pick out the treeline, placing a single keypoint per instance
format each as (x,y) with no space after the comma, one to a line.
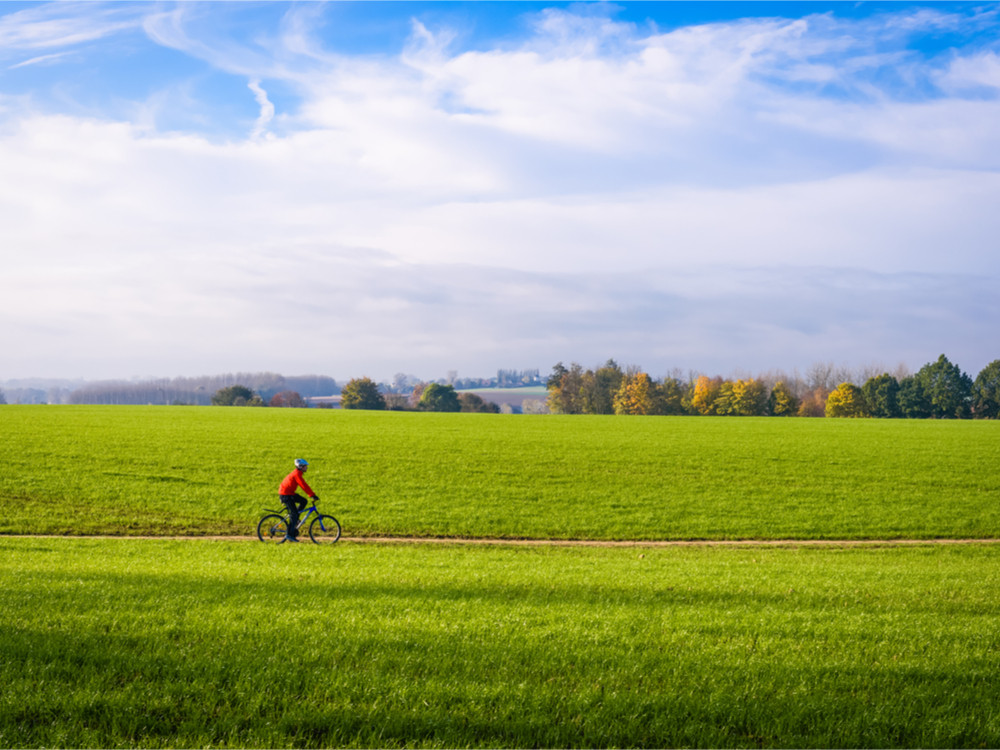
(938,390)
(21,394)
(201,390)
(33,396)
(404,384)
(364,393)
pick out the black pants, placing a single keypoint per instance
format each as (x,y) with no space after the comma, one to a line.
(294,503)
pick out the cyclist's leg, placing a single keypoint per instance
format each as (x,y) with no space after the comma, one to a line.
(301,503)
(293,503)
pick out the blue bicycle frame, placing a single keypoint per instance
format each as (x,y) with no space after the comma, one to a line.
(304,515)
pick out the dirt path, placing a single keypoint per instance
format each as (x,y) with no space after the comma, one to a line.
(563,542)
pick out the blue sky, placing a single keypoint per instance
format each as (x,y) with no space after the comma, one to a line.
(369,188)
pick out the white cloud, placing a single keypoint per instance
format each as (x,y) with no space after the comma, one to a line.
(597,190)
(971,72)
(924,221)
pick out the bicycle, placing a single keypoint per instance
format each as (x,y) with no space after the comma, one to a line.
(323,529)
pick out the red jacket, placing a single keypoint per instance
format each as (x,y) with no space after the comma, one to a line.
(292,482)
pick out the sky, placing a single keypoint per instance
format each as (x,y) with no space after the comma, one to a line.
(367,188)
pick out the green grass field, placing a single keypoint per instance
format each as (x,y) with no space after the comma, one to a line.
(162,470)
(133,643)
(162,643)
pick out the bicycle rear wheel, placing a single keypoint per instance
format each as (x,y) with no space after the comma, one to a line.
(272,529)
(324,530)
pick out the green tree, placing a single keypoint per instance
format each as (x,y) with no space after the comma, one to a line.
(565,389)
(882,396)
(437,397)
(471,402)
(912,399)
(236,395)
(672,396)
(362,393)
(555,379)
(846,400)
(986,392)
(599,388)
(782,402)
(948,389)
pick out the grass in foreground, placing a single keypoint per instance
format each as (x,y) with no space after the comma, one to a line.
(168,470)
(162,644)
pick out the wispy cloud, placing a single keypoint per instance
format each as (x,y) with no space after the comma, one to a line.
(193,29)
(762,192)
(56,25)
(266,109)
(40,60)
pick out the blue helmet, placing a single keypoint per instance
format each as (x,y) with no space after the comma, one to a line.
(301,463)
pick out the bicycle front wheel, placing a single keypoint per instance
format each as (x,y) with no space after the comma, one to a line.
(324,530)
(272,529)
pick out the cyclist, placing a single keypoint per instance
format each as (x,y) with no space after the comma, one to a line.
(292,500)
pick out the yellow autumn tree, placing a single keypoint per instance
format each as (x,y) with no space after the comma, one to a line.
(749,398)
(636,395)
(723,404)
(706,390)
(846,400)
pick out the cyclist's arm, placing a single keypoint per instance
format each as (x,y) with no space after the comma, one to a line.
(305,487)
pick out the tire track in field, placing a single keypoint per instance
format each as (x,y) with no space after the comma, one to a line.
(548,542)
